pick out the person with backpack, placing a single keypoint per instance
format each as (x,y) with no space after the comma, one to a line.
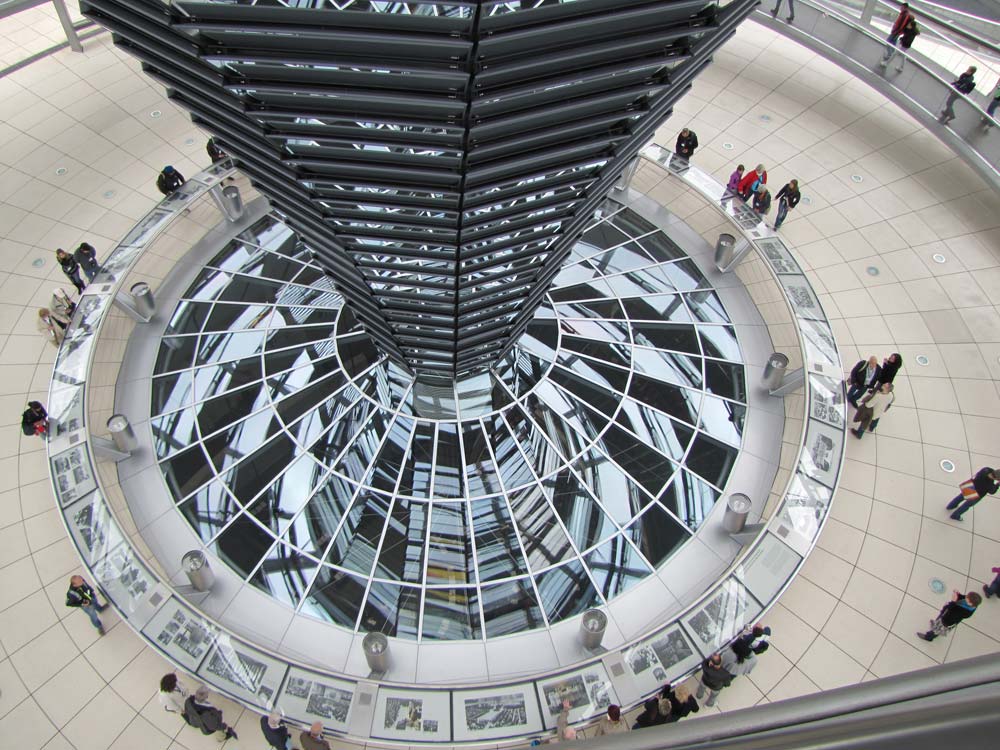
(984,483)
(761,201)
(687,142)
(205,717)
(961,607)
(215,152)
(898,25)
(169,180)
(34,419)
(82,595)
(964,84)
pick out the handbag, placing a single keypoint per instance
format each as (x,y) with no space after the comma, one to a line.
(968,489)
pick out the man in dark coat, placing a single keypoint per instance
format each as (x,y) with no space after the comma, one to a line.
(890,366)
(714,678)
(169,180)
(983,484)
(86,256)
(35,420)
(687,142)
(864,377)
(275,731)
(202,715)
(961,607)
(650,717)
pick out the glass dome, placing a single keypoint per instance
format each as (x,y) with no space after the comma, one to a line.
(328,477)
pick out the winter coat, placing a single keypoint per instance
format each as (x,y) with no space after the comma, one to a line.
(748,181)
(606,726)
(203,716)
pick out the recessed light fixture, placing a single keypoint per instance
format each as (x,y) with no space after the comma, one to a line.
(938,258)
(61,171)
(857,178)
(728,146)
(765,118)
(38,262)
(923,360)
(872,271)
(155,114)
(936,585)
(109,193)
(948,466)
(189,141)
(807,200)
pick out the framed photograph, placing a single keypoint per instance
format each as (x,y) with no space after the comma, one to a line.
(92,528)
(495,713)
(588,690)
(804,301)
(778,256)
(820,346)
(243,671)
(182,634)
(806,504)
(725,613)
(65,409)
(124,578)
(308,697)
(652,662)
(827,402)
(768,567)
(412,715)
(72,473)
(821,455)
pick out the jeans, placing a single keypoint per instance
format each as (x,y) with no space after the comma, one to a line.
(782,212)
(92,609)
(77,281)
(994,586)
(956,503)
(90,270)
(854,393)
(791,8)
(712,694)
(948,113)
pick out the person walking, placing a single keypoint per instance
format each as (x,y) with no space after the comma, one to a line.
(992,588)
(872,407)
(34,419)
(972,491)
(964,84)
(751,181)
(313,738)
(202,715)
(81,595)
(898,25)
(215,152)
(906,38)
(612,722)
(864,377)
(761,201)
(734,179)
(791,10)
(169,180)
(71,268)
(961,607)
(714,678)
(788,198)
(275,731)
(172,694)
(991,108)
(53,329)
(86,256)
(687,142)
(890,366)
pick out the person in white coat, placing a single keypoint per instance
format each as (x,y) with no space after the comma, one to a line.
(871,409)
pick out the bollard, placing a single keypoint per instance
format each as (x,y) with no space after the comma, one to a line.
(774,371)
(142,299)
(122,433)
(233,202)
(725,250)
(195,565)
(592,628)
(376,648)
(737,509)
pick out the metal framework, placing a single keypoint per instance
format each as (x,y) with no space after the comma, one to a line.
(439,158)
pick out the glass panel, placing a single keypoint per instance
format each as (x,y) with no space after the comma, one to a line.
(657,534)
(402,555)
(711,459)
(616,567)
(335,596)
(313,529)
(243,544)
(497,549)
(361,533)
(583,518)
(450,614)
(566,591)
(285,574)
(689,498)
(416,473)
(545,543)
(510,607)
(449,549)
(209,510)
(393,610)
(186,471)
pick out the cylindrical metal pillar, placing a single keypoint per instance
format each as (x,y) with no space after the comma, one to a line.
(737,509)
(143,300)
(592,628)
(233,202)
(774,371)
(376,648)
(122,433)
(725,249)
(195,565)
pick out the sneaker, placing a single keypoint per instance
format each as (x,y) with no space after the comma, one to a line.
(101,630)
(923,637)
(986,591)
(790,19)
(774,13)
(857,433)
(953,517)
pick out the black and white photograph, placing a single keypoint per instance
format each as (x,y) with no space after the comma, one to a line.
(827,401)
(806,503)
(821,454)
(653,661)
(182,634)
(235,667)
(820,346)
(71,474)
(500,712)
(588,690)
(123,577)
(416,715)
(92,527)
(671,648)
(778,256)
(768,567)
(727,611)
(309,697)
(803,298)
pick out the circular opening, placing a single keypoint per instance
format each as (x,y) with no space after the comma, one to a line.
(728,146)
(948,466)
(923,360)
(155,114)
(765,118)
(936,585)
(807,200)
(938,258)
(872,270)
(594,620)
(38,262)
(857,178)
(109,193)
(61,171)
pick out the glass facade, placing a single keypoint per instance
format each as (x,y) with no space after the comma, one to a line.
(440,159)
(327,475)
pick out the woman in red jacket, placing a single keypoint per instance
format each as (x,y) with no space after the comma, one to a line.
(751,181)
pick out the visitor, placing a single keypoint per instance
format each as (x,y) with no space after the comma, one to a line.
(788,198)
(34,419)
(687,142)
(871,409)
(172,694)
(71,268)
(82,596)
(612,722)
(202,715)
(961,607)
(169,180)
(964,84)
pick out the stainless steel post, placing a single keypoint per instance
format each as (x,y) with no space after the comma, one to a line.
(195,565)
(143,301)
(122,434)
(774,371)
(592,627)
(725,250)
(376,648)
(71,37)
(738,508)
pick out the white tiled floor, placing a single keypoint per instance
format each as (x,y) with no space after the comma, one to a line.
(852,613)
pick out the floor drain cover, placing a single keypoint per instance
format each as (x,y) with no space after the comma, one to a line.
(948,466)
(923,360)
(938,258)
(765,118)
(61,170)
(109,193)
(857,178)
(872,270)
(156,113)
(937,585)
(38,262)
(728,146)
